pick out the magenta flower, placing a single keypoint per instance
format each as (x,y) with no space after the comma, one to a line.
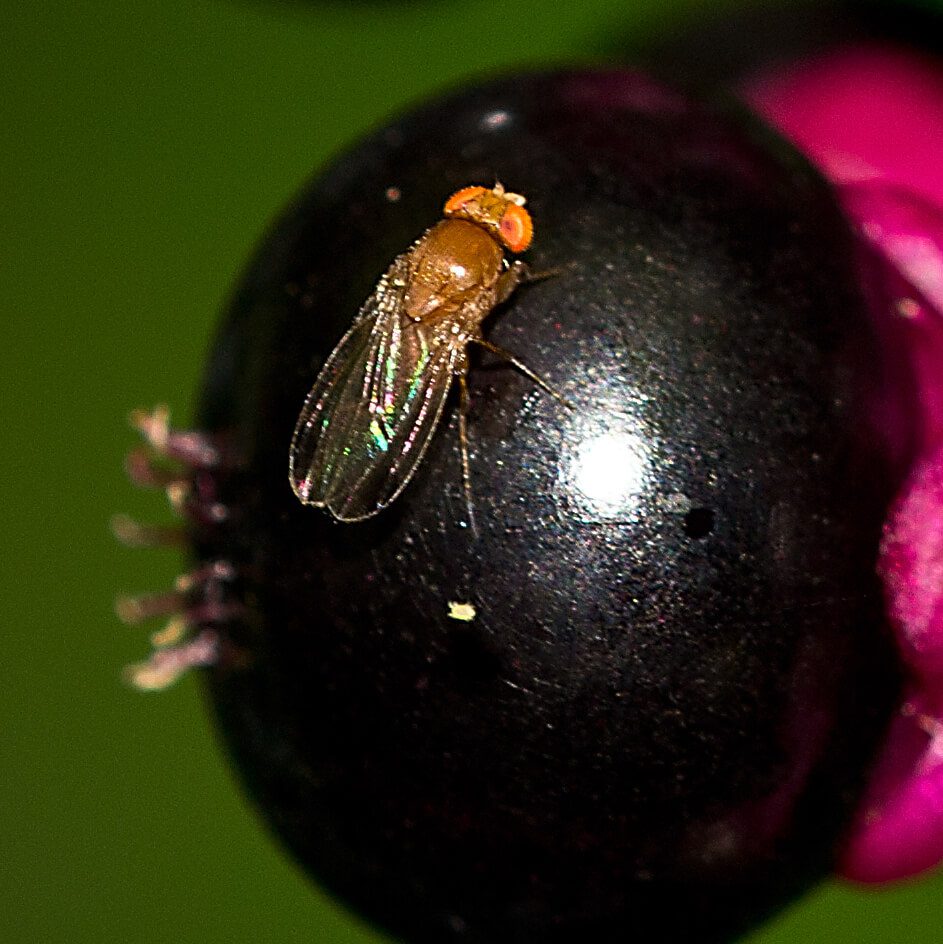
(871,118)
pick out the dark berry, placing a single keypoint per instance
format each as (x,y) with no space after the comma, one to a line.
(656,724)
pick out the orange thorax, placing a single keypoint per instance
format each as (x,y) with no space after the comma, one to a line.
(451,265)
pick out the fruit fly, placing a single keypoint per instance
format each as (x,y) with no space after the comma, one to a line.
(373,409)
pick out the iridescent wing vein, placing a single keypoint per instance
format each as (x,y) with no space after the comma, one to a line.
(374,407)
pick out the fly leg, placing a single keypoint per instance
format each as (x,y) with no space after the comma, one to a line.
(523,368)
(463,441)
(509,280)
(520,273)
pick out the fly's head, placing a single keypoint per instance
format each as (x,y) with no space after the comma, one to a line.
(501,213)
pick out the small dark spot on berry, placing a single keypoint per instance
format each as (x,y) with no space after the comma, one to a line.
(698,523)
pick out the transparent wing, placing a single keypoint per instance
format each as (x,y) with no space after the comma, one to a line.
(371,413)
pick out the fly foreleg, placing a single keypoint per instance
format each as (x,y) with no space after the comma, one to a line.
(509,280)
(520,273)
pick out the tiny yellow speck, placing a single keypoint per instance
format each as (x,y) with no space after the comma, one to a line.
(462,611)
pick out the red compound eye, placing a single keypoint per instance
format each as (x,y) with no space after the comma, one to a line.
(517,229)
(461,197)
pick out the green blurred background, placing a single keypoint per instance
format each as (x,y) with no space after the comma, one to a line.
(146,147)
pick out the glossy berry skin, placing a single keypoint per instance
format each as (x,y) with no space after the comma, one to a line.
(657,725)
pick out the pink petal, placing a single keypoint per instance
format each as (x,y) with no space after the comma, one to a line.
(871,118)
(899,832)
(911,564)
(864,112)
